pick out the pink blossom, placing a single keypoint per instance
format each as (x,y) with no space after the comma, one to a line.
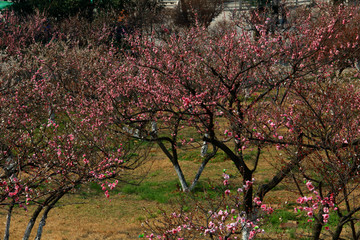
(186,101)
(325,217)
(71,137)
(248,184)
(310,186)
(270,210)
(252,234)
(228,133)
(300,200)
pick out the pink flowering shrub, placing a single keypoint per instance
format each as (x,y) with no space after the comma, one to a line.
(220,218)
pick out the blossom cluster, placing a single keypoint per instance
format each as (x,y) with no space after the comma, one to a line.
(224,223)
(320,204)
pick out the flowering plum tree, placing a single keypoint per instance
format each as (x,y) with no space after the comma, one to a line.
(236,91)
(318,121)
(330,129)
(67,107)
(53,137)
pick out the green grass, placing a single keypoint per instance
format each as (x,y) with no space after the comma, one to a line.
(220,156)
(160,192)
(189,156)
(167,191)
(280,187)
(279,216)
(273,221)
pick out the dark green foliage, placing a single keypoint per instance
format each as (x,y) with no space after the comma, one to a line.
(64,8)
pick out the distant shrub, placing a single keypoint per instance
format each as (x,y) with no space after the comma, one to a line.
(64,8)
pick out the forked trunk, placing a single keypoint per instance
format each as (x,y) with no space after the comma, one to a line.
(46,212)
(31,223)
(184,186)
(196,179)
(42,223)
(202,167)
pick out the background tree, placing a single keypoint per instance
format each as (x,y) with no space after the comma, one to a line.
(190,12)
(142,15)
(66,8)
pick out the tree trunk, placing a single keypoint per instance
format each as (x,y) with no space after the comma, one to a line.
(248,205)
(245,232)
(248,195)
(46,212)
(174,160)
(32,222)
(338,231)
(41,225)
(35,216)
(202,167)
(181,177)
(8,221)
(318,227)
(43,220)
(246,229)
(197,177)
